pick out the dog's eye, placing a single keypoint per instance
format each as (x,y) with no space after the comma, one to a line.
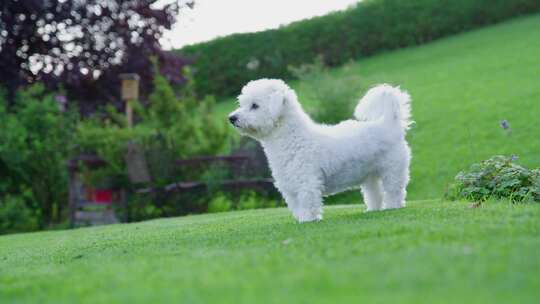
(254,106)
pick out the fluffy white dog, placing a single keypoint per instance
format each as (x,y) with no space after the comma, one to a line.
(310,160)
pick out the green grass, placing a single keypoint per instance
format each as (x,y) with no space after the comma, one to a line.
(429,252)
(462,87)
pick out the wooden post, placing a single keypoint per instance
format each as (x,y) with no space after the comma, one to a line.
(130,92)
(73,190)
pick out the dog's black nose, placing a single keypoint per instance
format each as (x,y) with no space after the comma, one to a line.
(233,119)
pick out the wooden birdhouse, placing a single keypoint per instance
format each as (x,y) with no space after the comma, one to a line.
(130,86)
(130,92)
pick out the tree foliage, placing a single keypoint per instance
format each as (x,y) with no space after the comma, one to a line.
(83,45)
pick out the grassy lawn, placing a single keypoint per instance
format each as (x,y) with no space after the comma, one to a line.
(462,87)
(429,252)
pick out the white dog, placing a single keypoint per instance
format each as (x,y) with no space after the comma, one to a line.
(310,160)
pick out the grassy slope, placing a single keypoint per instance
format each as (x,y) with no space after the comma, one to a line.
(462,87)
(430,252)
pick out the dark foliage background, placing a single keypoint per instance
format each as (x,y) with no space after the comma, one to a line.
(224,65)
(82,46)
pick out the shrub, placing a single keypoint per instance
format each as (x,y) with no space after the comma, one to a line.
(224,65)
(184,121)
(16,216)
(498,177)
(34,144)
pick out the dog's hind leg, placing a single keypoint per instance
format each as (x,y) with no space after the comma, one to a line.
(372,192)
(394,183)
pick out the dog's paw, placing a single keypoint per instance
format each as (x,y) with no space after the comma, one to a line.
(373,209)
(393,207)
(306,218)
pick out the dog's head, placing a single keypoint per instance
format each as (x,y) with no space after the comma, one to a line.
(262,104)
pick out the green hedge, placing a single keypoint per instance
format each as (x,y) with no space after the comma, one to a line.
(370,27)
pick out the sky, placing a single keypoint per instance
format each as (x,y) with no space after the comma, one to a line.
(213,18)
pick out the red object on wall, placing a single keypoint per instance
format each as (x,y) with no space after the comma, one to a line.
(102,196)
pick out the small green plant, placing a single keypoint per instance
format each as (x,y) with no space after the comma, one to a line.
(250,201)
(222,202)
(498,177)
(253,200)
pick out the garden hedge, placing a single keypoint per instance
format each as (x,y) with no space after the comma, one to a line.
(224,65)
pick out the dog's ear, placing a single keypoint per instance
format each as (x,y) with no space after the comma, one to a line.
(284,99)
(277,100)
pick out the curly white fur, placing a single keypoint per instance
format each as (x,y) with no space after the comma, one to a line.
(310,160)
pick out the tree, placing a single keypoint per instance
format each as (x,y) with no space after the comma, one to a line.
(81,46)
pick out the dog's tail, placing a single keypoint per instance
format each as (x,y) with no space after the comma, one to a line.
(388,103)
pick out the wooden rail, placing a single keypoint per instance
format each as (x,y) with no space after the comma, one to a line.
(262,184)
(212,159)
(77,203)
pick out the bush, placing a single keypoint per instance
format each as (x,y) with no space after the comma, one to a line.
(34,144)
(224,65)
(498,177)
(16,216)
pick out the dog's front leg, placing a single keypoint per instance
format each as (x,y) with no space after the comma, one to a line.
(308,206)
(291,199)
